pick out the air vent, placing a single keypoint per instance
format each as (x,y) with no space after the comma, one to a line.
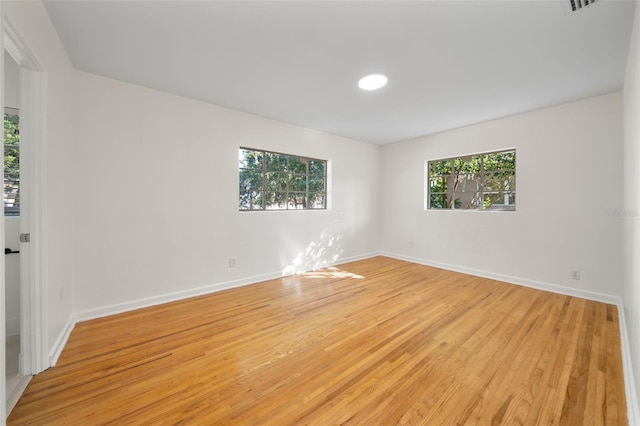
(575,5)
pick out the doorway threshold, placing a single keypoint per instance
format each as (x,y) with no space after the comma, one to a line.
(19,384)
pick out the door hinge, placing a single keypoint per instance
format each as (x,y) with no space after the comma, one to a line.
(25,238)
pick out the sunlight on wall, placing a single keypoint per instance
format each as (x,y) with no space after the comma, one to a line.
(322,252)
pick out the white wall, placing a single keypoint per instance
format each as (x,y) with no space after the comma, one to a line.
(31,22)
(631,282)
(157,198)
(569,160)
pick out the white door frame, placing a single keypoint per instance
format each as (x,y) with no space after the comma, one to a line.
(3,311)
(33,81)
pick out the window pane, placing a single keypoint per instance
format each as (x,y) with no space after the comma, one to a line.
(499,201)
(466,200)
(297,165)
(316,183)
(500,161)
(250,159)
(500,181)
(317,167)
(316,200)
(277,181)
(250,179)
(245,203)
(11,162)
(438,201)
(438,184)
(251,200)
(276,200)
(468,183)
(440,167)
(468,164)
(297,200)
(298,183)
(276,162)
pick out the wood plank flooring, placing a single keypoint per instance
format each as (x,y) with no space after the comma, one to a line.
(373,342)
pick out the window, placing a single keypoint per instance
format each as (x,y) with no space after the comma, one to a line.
(274,181)
(473,182)
(11,162)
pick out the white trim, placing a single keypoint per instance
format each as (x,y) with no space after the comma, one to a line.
(60,342)
(554,288)
(3,375)
(119,308)
(355,258)
(33,287)
(33,89)
(14,45)
(633,411)
(12,400)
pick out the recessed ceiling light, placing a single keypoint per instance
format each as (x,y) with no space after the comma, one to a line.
(372,82)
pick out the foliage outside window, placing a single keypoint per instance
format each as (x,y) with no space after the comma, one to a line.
(275,181)
(484,181)
(11,162)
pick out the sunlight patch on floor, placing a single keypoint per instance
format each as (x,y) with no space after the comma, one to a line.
(330,273)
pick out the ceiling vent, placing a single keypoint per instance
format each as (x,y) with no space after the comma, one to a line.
(576,5)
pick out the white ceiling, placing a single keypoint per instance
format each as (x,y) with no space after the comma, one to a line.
(449,63)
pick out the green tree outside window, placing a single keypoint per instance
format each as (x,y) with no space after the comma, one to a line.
(11,162)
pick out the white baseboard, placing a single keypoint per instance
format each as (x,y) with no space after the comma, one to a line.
(119,308)
(633,412)
(179,295)
(60,342)
(554,288)
(356,258)
(12,399)
(104,311)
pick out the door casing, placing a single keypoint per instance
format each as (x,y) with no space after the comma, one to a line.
(33,294)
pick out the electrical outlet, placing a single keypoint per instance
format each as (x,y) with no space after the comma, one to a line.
(575,275)
(60,294)
(232,262)
(411,244)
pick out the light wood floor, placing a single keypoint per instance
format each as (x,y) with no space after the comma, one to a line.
(374,342)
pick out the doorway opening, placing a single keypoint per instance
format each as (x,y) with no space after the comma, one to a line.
(11,198)
(14,378)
